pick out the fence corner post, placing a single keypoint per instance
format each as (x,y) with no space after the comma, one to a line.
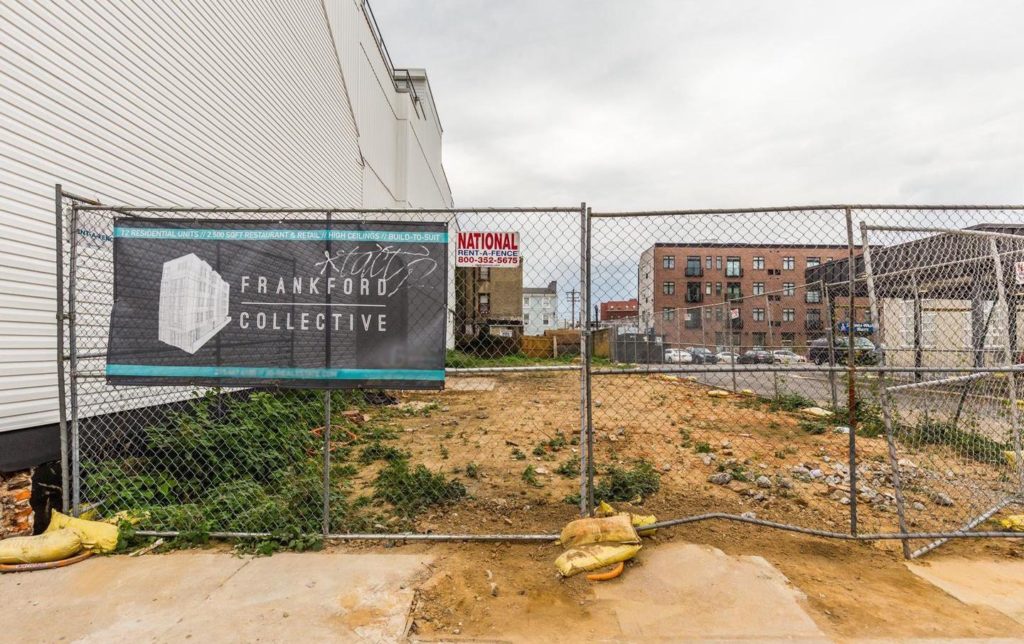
(851,370)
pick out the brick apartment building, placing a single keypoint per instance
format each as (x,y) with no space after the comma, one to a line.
(488,299)
(736,295)
(619,310)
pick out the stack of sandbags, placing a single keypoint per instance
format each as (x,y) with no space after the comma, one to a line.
(65,537)
(597,542)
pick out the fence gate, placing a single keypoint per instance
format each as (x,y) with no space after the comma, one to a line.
(843,371)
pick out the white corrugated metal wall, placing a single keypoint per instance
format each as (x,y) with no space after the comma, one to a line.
(181,103)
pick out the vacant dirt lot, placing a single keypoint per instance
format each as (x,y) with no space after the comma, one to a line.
(511,440)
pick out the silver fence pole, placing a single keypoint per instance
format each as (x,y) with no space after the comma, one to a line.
(327,464)
(585,453)
(65,473)
(732,338)
(76,482)
(851,364)
(1011,379)
(890,438)
(587,371)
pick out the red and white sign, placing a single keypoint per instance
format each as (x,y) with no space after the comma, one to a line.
(734,314)
(500,250)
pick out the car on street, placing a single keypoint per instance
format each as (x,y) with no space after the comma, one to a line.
(785,356)
(702,355)
(727,357)
(864,351)
(756,356)
(678,356)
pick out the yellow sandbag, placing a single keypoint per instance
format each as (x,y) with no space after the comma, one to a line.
(604,510)
(613,529)
(134,517)
(641,520)
(594,556)
(49,546)
(1013,522)
(96,536)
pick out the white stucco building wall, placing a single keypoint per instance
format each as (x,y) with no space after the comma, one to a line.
(540,309)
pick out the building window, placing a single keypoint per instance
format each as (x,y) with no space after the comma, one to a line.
(718,288)
(813,296)
(485,273)
(693,292)
(788,263)
(789,288)
(668,262)
(813,261)
(693,267)
(758,315)
(718,314)
(668,288)
(759,263)
(526,318)
(547,320)
(774,271)
(483,305)
(734,290)
(733,267)
(707,288)
(758,288)
(813,319)
(867,316)
(668,314)
(788,315)
(718,262)
(707,314)
(707,262)
(759,338)
(788,339)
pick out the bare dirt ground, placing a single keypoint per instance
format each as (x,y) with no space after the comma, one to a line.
(489,431)
(853,590)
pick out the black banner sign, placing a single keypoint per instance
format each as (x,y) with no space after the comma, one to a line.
(299,304)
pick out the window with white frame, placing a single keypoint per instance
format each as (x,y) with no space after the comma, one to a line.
(788,263)
(758,288)
(788,315)
(758,315)
(758,263)
(789,288)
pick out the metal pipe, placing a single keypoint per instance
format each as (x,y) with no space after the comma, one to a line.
(76,482)
(1009,361)
(65,473)
(890,438)
(973,523)
(851,364)
(783,209)
(584,453)
(397,211)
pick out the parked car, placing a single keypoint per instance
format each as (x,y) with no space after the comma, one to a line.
(678,356)
(727,357)
(702,355)
(785,356)
(864,351)
(756,356)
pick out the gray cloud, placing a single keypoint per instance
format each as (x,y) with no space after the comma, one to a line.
(648,105)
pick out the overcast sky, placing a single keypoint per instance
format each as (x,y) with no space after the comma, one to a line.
(654,105)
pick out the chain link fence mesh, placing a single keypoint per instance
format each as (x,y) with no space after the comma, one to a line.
(729,369)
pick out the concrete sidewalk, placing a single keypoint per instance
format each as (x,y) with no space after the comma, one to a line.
(214,597)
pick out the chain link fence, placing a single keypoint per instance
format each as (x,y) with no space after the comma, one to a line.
(691,365)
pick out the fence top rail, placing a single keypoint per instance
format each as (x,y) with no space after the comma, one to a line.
(225,209)
(952,231)
(778,209)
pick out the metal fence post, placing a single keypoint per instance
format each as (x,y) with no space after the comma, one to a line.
(1010,361)
(585,442)
(76,483)
(851,366)
(327,463)
(587,366)
(890,432)
(65,473)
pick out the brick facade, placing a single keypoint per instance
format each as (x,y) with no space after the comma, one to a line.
(689,294)
(16,517)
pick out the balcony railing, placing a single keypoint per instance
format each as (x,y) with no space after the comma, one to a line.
(736,323)
(733,272)
(814,325)
(694,272)
(694,297)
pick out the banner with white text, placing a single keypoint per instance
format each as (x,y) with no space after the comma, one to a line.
(323,304)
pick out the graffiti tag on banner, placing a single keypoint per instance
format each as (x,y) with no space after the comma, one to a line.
(497,249)
(307,304)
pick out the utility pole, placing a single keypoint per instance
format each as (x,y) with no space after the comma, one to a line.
(574,297)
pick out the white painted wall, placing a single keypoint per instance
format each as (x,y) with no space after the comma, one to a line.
(228,103)
(538,307)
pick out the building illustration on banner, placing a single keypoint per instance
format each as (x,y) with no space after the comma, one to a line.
(193,303)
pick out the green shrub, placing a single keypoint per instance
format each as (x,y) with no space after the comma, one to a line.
(627,484)
(377,451)
(411,490)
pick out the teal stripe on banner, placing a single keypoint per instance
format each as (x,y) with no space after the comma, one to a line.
(168,371)
(229,234)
